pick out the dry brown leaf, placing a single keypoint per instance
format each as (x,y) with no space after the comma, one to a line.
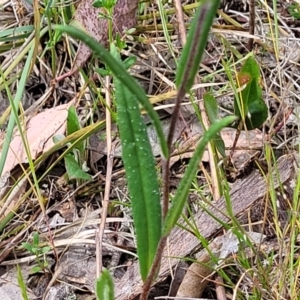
(39,132)
(87,18)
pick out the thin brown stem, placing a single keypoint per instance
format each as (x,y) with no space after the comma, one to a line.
(154,268)
(180,21)
(251,23)
(105,201)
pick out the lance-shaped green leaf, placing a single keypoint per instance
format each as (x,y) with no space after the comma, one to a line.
(105,286)
(185,183)
(73,125)
(73,169)
(141,175)
(250,106)
(123,76)
(196,43)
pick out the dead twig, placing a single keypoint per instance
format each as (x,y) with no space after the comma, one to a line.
(105,201)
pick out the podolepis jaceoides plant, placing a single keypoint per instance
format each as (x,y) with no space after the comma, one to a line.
(151,228)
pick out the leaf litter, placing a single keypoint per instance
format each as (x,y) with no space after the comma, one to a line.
(87,19)
(39,133)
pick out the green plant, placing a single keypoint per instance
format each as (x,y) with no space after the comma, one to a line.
(21,283)
(248,104)
(152,231)
(74,160)
(294,10)
(39,251)
(105,286)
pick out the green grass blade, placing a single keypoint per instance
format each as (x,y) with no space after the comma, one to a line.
(163,18)
(185,183)
(120,72)
(196,43)
(105,286)
(14,34)
(141,176)
(21,283)
(211,109)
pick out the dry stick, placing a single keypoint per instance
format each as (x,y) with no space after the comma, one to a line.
(237,135)
(281,124)
(251,23)
(109,167)
(220,289)
(180,21)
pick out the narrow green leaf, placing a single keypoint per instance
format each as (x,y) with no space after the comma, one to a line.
(196,43)
(129,61)
(73,169)
(36,239)
(73,125)
(211,109)
(120,72)
(185,183)
(27,247)
(11,31)
(105,286)
(45,249)
(102,72)
(141,176)
(21,283)
(35,270)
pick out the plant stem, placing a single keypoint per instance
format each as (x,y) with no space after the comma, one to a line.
(154,268)
(251,23)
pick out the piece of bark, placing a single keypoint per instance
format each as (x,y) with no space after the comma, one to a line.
(244,194)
